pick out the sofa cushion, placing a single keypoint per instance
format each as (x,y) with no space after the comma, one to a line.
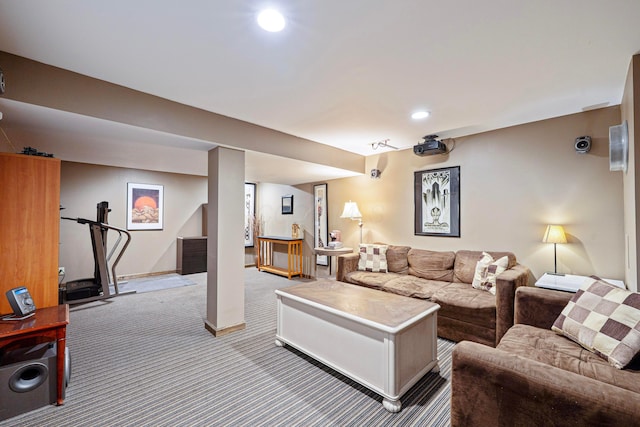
(397,259)
(487,269)
(604,319)
(545,346)
(412,286)
(465,265)
(431,265)
(373,258)
(461,301)
(369,279)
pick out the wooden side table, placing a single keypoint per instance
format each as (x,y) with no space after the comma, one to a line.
(330,253)
(49,323)
(294,255)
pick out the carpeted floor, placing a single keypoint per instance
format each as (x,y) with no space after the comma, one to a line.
(155,283)
(146,360)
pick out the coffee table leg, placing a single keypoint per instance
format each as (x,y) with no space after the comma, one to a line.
(391,405)
(279,343)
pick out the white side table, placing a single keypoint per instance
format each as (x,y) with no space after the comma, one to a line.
(330,253)
(569,282)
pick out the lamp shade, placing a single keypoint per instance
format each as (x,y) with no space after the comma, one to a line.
(351,211)
(554,234)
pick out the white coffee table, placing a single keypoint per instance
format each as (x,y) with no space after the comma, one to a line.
(385,342)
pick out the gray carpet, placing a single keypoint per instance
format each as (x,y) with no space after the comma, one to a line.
(146,360)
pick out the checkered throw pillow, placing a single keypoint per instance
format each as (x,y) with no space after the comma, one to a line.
(603,319)
(373,258)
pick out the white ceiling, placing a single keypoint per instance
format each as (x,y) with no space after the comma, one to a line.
(345,73)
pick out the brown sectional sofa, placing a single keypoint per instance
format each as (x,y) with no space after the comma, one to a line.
(536,377)
(445,278)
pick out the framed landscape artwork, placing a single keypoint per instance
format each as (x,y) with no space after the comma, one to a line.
(437,202)
(145,206)
(287,205)
(321,222)
(249,213)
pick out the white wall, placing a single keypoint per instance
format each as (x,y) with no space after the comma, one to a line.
(269,212)
(83,186)
(514,181)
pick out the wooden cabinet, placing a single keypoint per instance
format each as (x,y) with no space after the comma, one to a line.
(29,227)
(192,255)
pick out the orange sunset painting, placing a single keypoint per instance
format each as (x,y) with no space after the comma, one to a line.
(144,206)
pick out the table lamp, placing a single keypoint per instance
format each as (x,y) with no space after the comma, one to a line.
(352,212)
(554,234)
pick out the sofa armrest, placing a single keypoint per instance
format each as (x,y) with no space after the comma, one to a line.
(346,264)
(539,307)
(491,387)
(506,284)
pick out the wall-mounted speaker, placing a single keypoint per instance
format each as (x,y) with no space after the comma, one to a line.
(27,379)
(583,144)
(619,147)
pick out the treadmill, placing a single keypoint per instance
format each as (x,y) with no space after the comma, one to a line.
(98,286)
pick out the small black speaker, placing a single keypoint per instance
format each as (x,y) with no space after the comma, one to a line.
(583,144)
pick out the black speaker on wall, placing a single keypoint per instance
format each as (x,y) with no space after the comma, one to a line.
(583,144)
(27,378)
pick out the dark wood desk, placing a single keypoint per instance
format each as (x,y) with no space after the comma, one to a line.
(51,323)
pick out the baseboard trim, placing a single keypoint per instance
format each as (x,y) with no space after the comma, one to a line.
(140,275)
(223,331)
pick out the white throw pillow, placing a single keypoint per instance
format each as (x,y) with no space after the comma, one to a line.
(486,271)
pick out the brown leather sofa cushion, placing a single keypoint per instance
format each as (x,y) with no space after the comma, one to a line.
(466,261)
(544,345)
(370,279)
(461,301)
(412,286)
(431,265)
(397,259)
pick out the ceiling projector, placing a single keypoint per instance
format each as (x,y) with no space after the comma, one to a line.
(430,146)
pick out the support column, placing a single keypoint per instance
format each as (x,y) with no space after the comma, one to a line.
(225,247)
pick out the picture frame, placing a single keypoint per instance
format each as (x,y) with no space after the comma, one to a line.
(287,205)
(437,202)
(320,221)
(145,206)
(249,213)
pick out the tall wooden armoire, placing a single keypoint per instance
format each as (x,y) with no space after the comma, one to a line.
(29,227)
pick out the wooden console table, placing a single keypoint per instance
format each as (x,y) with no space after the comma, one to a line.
(49,323)
(294,255)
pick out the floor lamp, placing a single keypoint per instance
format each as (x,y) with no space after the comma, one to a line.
(352,212)
(554,234)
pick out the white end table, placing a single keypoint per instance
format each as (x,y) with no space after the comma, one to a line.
(330,253)
(569,282)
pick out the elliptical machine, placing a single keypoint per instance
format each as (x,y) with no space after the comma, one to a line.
(97,287)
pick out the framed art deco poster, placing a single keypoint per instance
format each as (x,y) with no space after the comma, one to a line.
(437,202)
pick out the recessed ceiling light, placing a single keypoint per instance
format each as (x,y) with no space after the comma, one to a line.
(420,115)
(271,20)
